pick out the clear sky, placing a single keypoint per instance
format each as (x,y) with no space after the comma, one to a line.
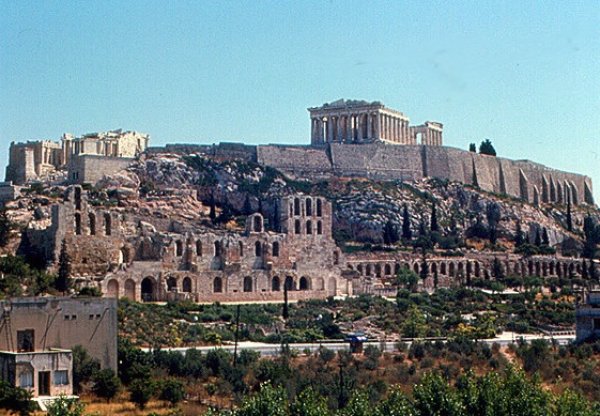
(524,74)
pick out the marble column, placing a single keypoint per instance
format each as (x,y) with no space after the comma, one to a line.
(329,130)
(378,125)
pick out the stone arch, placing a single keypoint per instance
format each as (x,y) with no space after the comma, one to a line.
(258,249)
(530,268)
(319,227)
(559,269)
(304,283)
(78,224)
(308,227)
(461,268)
(297,227)
(396,268)
(130,289)
(319,208)
(319,284)
(537,269)
(296,206)
(178,248)
(199,248)
(275,284)
(387,269)
(289,283)
(171,284)
(332,286)
(218,285)
(416,267)
(359,269)
(187,285)
(248,286)
(443,268)
(544,269)
(257,224)
(107,224)
(451,268)
(217,248)
(308,206)
(275,249)
(477,269)
(92,221)
(378,270)
(148,289)
(368,270)
(434,268)
(551,267)
(112,288)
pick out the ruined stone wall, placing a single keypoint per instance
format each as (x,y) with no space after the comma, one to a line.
(300,161)
(91,168)
(21,165)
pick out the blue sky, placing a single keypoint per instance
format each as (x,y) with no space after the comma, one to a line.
(524,74)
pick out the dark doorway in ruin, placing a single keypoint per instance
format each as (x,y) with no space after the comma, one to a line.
(289,283)
(148,290)
(187,285)
(247,284)
(217,285)
(275,284)
(304,283)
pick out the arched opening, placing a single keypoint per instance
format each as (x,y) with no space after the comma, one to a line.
(319,284)
(112,289)
(241,247)
(396,268)
(304,283)
(387,270)
(552,269)
(178,248)
(92,219)
(378,270)
(477,269)
(537,269)
(451,269)
(275,284)
(217,248)
(308,206)
(130,289)
(308,227)
(433,268)
(124,255)
(296,206)
(199,248)
(78,224)
(148,289)
(77,198)
(257,249)
(275,249)
(319,227)
(218,285)
(319,208)
(257,224)
(443,268)
(171,284)
(332,286)
(297,227)
(416,268)
(289,283)
(359,269)
(368,270)
(187,285)
(247,284)
(107,224)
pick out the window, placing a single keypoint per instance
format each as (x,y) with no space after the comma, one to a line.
(61,378)
(198,248)
(25,340)
(26,378)
(319,208)
(308,206)
(296,206)
(78,224)
(178,248)
(241,245)
(308,227)
(217,249)
(319,227)
(276,249)
(257,249)
(217,285)
(247,284)
(297,227)
(92,218)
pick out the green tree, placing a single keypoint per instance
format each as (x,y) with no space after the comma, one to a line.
(538,238)
(359,405)
(570,403)
(415,323)
(545,239)
(84,367)
(213,209)
(106,384)
(434,227)
(396,404)
(406,230)
(5,227)
(247,209)
(63,406)
(309,403)
(390,233)
(15,399)
(141,391)
(172,391)
(269,401)
(486,148)
(569,216)
(519,237)
(63,280)
(433,396)
(472,147)
(407,278)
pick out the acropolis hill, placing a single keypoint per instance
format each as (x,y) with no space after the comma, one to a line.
(349,138)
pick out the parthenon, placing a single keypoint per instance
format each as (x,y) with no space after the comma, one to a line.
(353,121)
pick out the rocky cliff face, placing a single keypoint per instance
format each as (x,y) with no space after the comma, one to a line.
(178,191)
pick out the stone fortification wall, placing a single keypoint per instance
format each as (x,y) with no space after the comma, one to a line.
(530,181)
(221,151)
(91,168)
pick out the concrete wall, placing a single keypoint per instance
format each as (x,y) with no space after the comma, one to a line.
(64,322)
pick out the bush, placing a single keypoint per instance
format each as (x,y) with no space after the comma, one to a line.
(172,391)
(141,391)
(106,384)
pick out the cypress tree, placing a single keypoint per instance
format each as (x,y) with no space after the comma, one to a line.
(434,224)
(519,238)
(406,231)
(569,216)
(63,280)
(472,148)
(5,227)
(390,233)
(213,209)
(545,239)
(247,209)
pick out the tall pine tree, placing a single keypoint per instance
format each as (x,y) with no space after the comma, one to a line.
(406,231)
(434,223)
(63,280)
(569,216)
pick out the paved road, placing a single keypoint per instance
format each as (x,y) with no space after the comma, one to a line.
(390,346)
